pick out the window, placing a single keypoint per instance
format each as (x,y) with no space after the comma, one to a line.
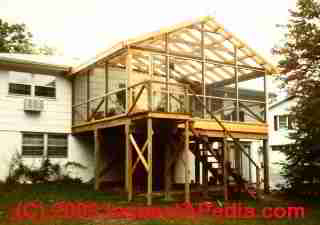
(232,116)
(40,144)
(283,122)
(281,147)
(45,86)
(57,145)
(32,144)
(32,84)
(20,83)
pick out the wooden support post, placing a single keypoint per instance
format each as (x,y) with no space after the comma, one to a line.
(73,102)
(186,166)
(225,171)
(236,83)
(150,91)
(250,166)
(128,164)
(167,72)
(106,102)
(204,171)
(149,136)
(265,142)
(258,183)
(203,71)
(197,164)
(167,173)
(150,96)
(97,160)
(129,72)
(266,166)
(266,96)
(186,101)
(237,154)
(88,95)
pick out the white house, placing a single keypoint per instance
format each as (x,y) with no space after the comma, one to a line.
(35,113)
(280,127)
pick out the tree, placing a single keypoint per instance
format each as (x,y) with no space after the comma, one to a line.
(15,38)
(301,68)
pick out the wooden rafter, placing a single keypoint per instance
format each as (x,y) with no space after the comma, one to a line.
(219,56)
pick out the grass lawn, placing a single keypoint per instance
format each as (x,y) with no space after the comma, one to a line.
(50,194)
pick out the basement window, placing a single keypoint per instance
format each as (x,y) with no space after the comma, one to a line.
(45,145)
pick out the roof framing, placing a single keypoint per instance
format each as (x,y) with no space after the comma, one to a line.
(202,40)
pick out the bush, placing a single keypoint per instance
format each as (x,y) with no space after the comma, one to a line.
(46,173)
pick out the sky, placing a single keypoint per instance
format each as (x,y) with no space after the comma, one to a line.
(82,28)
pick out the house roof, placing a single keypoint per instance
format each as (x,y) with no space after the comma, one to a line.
(36,63)
(281,101)
(221,42)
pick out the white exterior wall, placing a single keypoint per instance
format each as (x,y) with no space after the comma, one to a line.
(279,137)
(55,118)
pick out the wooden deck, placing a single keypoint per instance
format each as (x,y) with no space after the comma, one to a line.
(207,127)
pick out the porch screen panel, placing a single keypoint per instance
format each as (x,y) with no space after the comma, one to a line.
(117,82)
(97,88)
(80,97)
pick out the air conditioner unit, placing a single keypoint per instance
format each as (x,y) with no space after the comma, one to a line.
(33,105)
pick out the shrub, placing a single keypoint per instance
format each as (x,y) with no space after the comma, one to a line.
(47,172)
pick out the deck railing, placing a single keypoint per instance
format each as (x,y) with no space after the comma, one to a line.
(157,96)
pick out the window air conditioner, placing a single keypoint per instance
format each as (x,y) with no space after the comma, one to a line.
(33,105)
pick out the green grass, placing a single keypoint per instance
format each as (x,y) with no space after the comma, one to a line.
(49,194)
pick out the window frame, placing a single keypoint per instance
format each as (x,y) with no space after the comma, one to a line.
(33,85)
(45,150)
(289,122)
(283,125)
(30,145)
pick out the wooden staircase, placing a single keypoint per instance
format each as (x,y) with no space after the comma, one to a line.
(223,164)
(218,154)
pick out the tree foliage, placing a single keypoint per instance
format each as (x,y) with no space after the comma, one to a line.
(301,67)
(15,38)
